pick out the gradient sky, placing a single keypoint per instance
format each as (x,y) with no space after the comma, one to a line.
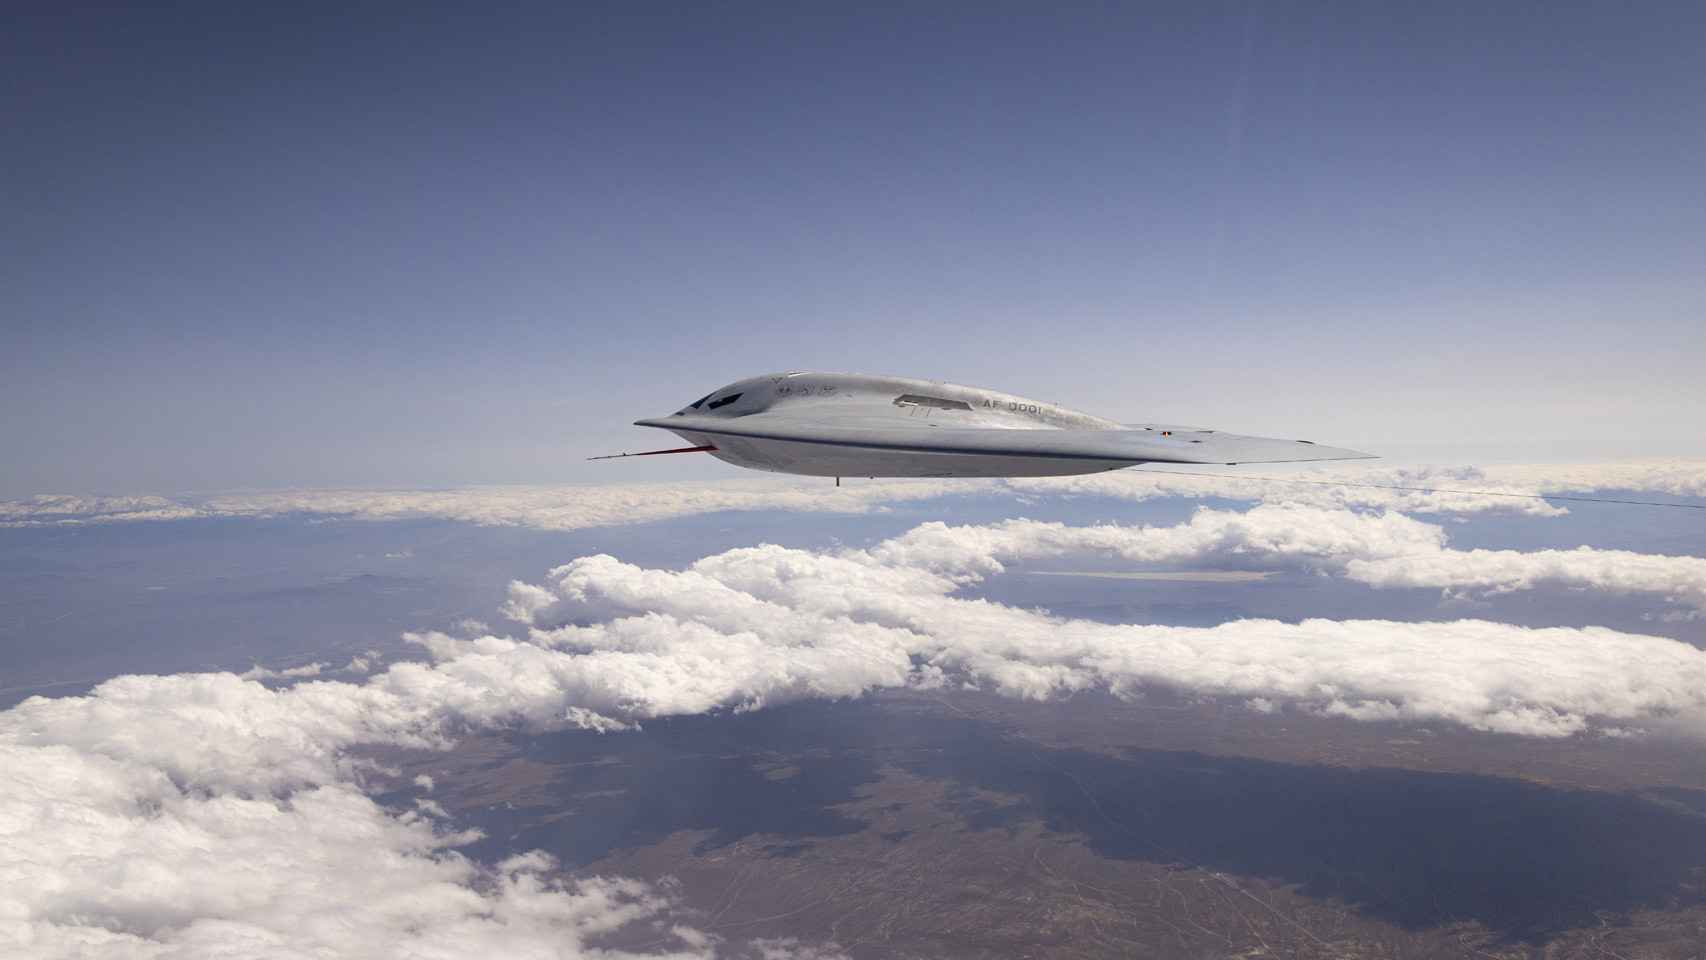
(259,246)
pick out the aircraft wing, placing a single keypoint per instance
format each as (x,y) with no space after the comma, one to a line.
(1138,444)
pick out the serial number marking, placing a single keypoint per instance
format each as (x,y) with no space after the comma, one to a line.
(1014,406)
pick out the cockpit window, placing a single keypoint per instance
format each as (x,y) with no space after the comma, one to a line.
(722,401)
(695,404)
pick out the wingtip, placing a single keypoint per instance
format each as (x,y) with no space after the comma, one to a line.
(1341,453)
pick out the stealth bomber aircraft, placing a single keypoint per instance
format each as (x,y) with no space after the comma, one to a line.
(853,425)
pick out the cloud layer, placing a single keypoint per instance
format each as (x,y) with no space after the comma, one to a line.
(1454,489)
(763,624)
(203,814)
(1381,550)
(544,508)
(580,507)
(208,815)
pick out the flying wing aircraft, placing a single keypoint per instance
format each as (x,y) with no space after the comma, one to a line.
(853,425)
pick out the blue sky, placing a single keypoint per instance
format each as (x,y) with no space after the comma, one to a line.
(431,245)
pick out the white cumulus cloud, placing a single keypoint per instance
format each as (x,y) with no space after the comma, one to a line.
(766,624)
(1680,579)
(258,672)
(1381,550)
(206,815)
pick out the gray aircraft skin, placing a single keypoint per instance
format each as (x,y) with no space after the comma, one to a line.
(854,425)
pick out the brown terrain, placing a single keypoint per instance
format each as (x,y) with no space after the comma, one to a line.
(966,825)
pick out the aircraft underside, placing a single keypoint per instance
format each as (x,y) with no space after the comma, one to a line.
(820,460)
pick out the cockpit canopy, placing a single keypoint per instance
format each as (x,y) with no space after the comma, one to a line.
(715,400)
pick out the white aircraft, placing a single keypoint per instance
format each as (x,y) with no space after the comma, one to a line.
(853,425)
